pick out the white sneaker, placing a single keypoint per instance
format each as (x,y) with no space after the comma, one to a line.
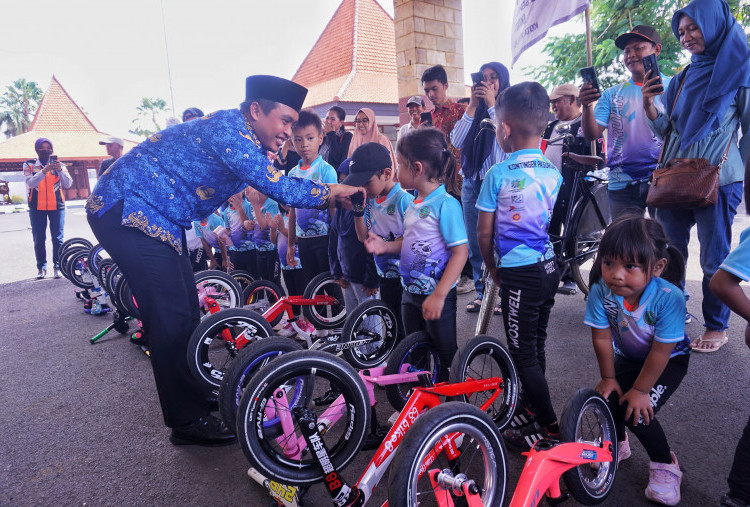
(623,449)
(287,330)
(664,482)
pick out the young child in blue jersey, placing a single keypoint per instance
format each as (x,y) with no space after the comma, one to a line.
(434,247)
(726,285)
(383,215)
(266,258)
(240,220)
(206,231)
(309,227)
(636,311)
(515,205)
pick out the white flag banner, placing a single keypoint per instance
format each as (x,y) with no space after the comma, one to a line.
(533,18)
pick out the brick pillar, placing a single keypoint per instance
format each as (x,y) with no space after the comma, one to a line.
(428,32)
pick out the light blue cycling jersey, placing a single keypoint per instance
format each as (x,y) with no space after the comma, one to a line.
(386,219)
(431,228)
(242,239)
(262,237)
(521,191)
(282,243)
(205,229)
(314,222)
(660,317)
(738,260)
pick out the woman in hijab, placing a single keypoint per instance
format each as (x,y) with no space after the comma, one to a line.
(366,131)
(702,120)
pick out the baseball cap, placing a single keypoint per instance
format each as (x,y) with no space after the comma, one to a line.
(367,160)
(113,140)
(642,32)
(416,99)
(563,90)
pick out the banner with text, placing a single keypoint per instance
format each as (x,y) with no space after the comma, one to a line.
(533,18)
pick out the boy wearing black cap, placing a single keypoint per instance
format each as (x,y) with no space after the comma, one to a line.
(632,149)
(383,215)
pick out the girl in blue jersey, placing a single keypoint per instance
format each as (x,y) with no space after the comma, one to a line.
(434,247)
(637,314)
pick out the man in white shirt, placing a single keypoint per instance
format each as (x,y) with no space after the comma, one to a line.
(415,106)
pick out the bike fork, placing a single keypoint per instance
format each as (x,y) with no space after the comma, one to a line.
(341,493)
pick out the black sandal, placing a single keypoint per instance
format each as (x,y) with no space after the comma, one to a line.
(474,306)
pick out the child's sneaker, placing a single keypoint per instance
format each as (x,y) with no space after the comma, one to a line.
(523,417)
(664,482)
(287,330)
(522,439)
(306,327)
(623,449)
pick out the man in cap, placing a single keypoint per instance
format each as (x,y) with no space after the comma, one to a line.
(632,148)
(141,207)
(415,106)
(114,146)
(567,110)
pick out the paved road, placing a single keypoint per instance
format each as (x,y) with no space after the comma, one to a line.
(81,425)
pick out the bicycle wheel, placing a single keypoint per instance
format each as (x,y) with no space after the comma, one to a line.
(101,273)
(219,286)
(126,299)
(485,357)
(370,319)
(96,256)
(209,355)
(74,243)
(590,218)
(481,458)
(77,266)
(242,277)
(302,376)
(261,295)
(414,353)
(586,418)
(489,301)
(66,256)
(113,276)
(326,316)
(250,359)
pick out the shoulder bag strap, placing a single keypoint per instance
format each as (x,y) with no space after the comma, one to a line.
(669,127)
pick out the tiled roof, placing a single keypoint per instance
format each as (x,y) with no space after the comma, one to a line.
(59,119)
(354,59)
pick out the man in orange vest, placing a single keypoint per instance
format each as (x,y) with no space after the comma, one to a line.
(46,178)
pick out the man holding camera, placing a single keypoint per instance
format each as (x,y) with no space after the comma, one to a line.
(46,178)
(632,148)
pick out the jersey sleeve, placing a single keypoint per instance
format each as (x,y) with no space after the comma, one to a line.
(491,186)
(328,174)
(404,201)
(595,316)
(670,316)
(248,208)
(452,225)
(271,206)
(737,262)
(197,229)
(603,108)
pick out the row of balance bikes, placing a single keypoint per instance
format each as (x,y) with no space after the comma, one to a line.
(304,408)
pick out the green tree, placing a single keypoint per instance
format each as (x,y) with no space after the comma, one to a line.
(151,109)
(609,18)
(18,105)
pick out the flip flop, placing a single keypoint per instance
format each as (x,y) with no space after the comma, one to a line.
(474,306)
(498,311)
(715,344)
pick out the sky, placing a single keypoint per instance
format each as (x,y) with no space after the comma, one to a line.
(108,54)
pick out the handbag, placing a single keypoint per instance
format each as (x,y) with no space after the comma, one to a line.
(684,183)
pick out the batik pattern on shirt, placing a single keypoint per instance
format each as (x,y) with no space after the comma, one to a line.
(521,191)
(186,171)
(431,228)
(660,317)
(444,118)
(386,219)
(314,222)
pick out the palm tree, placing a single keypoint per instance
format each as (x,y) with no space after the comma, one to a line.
(150,109)
(18,105)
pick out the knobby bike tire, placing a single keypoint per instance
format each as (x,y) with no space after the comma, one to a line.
(414,353)
(325,317)
(319,370)
(485,357)
(483,458)
(585,414)
(369,319)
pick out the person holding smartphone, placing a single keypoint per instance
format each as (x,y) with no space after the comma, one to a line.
(46,178)
(632,149)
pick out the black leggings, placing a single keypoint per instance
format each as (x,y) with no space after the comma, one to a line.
(442,331)
(293,285)
(739,475)
(650,435)
(390,293)
(245,261)
(268,265)
(527,297)
(313,255)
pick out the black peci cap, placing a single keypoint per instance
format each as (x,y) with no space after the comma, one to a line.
(275,89)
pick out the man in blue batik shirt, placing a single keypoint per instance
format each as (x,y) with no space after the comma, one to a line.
(142,205)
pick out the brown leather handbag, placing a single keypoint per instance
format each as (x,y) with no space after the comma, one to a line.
(684,183)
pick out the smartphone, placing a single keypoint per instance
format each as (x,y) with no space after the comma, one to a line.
(53,158)
(426,118)
(651,64)
(477,77)
(589,76)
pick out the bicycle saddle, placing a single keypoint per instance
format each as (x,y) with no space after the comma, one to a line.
(585,160)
